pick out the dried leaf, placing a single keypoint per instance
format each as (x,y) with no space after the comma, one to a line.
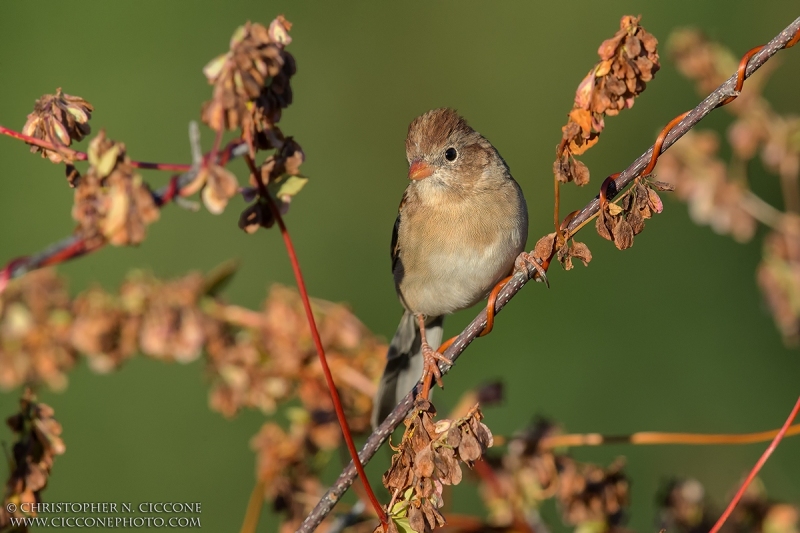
(580,251)
(636,220)
(661,185)
(600,226)
(582,118)
(416,519)
(469,449)
(103,162)
(581,171)
(561,169)
(544,246)
(423,462)
(221,185)
(614,209)
(286,186)
(577,146)
(654,201)
(623,234)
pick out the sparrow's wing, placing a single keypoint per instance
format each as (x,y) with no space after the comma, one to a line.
(395,248)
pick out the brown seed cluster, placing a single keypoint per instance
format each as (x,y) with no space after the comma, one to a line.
(778,277)
(718,191)
(709,64)
(700,177)
(112,203)
(38,441)
(685,508)
(35,326)
(428,458)
(220,185)
(588,493)
(288,465)
(529,474)
(275,360)
(58,119)
(628,61)
(280,173)
(252,83)
(619,223)
(255,359)
(569,250)
(251,88)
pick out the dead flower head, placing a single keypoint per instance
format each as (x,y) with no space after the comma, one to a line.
(281,174)
(34,332)
(778,277)
(58,119)
(700,178)
(38,442)
(251,82)
(112,202)
(103,330)
(628,61)
(171,322)
(428,458)
(620,222)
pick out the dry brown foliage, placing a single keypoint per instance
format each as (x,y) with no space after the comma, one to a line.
(718,192)
(628,60)
(426,460)
(38,441)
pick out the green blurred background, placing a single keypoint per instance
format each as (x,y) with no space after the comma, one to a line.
(671,335)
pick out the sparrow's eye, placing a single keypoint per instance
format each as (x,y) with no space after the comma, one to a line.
(450,154)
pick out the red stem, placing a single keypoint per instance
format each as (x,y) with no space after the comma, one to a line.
(170,167)
(756,468)
(301,286)
(81,156)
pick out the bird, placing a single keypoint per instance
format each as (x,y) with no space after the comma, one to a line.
(461,224)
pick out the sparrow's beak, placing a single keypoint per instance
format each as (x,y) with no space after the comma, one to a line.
(419,170)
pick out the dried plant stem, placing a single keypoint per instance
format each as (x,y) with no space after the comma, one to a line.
(762,211)
(557,207)
(720,96)
(301,287)
(379,436)
(74,246)
(654,437)
(756,468)
(81,156)
(254,506)
(487,474)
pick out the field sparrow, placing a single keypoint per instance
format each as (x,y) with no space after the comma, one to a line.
(461,224)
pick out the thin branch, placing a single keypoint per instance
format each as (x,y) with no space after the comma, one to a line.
(712,101)
(81,156)
(74,246)
(323,360)
(379,436)
(756,468)
(655,437)
(757,208)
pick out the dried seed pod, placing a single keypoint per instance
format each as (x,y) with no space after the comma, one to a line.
(58,119)
(628,61)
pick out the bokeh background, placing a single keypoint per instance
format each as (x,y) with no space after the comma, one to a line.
(670,335)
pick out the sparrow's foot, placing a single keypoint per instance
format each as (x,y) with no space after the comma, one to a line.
(526,260)
(430,368)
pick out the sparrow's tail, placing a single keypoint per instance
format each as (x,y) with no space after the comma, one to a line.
(404,363)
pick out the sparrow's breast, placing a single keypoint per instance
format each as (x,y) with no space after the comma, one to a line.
(451,253)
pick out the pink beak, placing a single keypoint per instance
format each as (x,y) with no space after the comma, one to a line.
(419,170)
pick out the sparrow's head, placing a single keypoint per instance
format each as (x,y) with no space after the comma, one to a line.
(441,148)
